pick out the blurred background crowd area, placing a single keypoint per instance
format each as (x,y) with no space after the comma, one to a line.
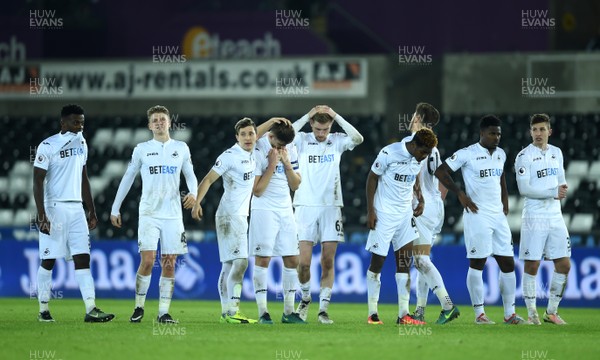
(212,63)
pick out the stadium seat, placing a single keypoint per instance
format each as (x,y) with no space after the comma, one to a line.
(6,217)
(514,222)
(567,219)
(122,137)
(184,135)
(22,168)
(98,184)
(102,138)
(577,168)
(594,172)
(141,135)
(581,223)
(23,217)
(114,168)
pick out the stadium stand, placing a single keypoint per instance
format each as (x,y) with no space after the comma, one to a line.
(111,141)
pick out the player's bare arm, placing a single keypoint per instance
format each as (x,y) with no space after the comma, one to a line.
(418,211)
(203,187)
(86,194)
(356,137)
(504,194)
(261,182)
(293,177)
(444,174)
(372,181)
(42,221)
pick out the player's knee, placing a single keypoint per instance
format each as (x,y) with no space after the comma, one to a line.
(422,263)
(326,264)
(81,261)
(563,267)
(303,268)
(48,264)
(238,266)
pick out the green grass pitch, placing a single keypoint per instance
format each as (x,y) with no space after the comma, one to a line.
(200,335)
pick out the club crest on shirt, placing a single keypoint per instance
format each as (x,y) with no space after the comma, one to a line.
(553,156)
(175,154)
(521,170)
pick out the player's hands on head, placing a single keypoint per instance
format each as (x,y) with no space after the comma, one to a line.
(43,224)
(116,221)
(197,212)
(467,203)
(313,111)
(92,221)
(371,220)
(188,201)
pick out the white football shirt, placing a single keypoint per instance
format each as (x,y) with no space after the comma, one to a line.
(397,170)
(277,194)
(160,165)
(236,166)
(320,164)
(539,173)
(63,156)
(481,172)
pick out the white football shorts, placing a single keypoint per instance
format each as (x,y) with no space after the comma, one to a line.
(319,223)
(544,238)
(273,233)
(169,232)
(69,234)
(487,235)
(232,237)
(398,230)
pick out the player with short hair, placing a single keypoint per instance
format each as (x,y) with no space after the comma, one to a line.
(318,200)
(429,224)
(485,224)
(541,180)
(60,182)
(236,165)
(161,162)
(272,226)
(393,178)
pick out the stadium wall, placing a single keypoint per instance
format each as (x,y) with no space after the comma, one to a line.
(114,265)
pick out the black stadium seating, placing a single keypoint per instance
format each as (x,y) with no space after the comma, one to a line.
(111,141)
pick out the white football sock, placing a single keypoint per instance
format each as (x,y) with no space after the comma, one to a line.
(142,283)
(234,284)
(259,278)
(305,287)
(403,287)
(508,284)
(434,279)
(222,286)
(557,287)
(475,287)
(422,291)
(289,280)
(165,288)
(44,287)
(86,286)
(529,293)
(373,287)
(324,299)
